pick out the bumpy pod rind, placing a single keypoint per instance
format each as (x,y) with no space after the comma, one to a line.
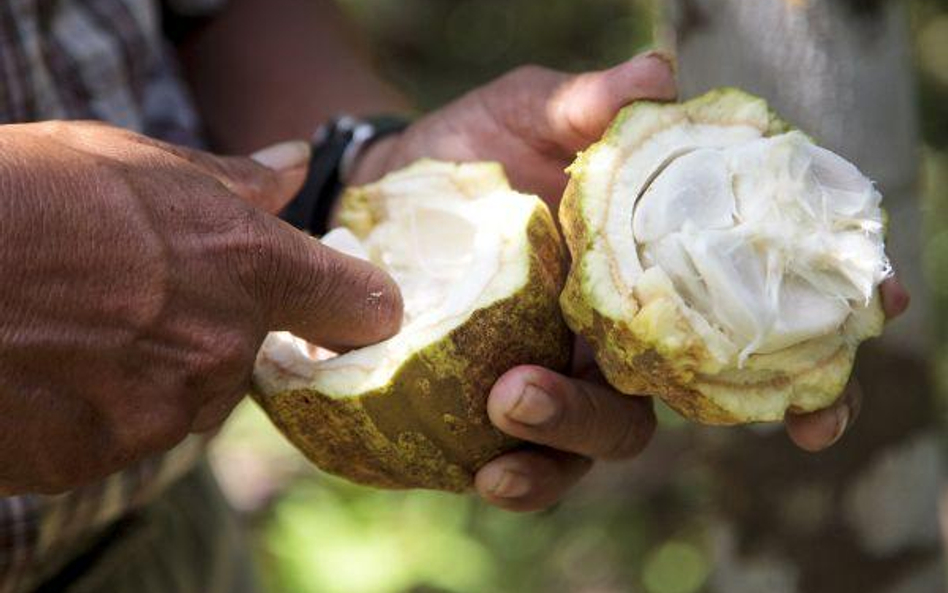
(650,349)
(428,427)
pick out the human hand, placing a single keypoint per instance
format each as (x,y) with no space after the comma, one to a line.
(576,420)
(568,423)
(532,120)
(139,279)
(571,421)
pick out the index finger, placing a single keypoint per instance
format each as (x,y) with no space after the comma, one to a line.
(320,294)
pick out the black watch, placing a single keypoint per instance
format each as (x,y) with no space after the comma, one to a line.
(336,146)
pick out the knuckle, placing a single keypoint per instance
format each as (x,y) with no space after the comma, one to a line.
(254,263)
(57,128)
(527,73)
(151,428)
(119,134)
(654,73)
(521,101)
(323,285)
(217,370)
(220,355)
(588,415)
(217,408)
(237,350)
(72,129)
(302,279)
(634,433)
(573,124)
(328,270)
(247,179)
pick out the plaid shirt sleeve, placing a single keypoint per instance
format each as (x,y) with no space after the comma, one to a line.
(39,534)
(105,60)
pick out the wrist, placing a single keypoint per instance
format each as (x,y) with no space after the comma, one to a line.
(374,161)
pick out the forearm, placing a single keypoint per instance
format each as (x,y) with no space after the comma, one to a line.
(269,70)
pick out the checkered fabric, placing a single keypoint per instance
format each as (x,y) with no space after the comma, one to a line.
(95,59)
(104,60)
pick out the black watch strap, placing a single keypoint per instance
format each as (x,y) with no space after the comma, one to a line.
(335,147)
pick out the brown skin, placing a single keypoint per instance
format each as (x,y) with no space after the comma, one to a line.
(138,284)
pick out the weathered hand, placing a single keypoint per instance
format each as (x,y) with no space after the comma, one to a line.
(576,420)
(532,120)
(139,279)
(569,421)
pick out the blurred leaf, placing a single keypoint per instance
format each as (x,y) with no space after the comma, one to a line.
(437,49)
(336,538)
(675,567)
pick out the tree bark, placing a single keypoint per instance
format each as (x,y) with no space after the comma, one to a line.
(862,516)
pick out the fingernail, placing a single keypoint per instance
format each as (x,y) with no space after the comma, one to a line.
(842,420)
(664,56)
(283,156)
(534,407)
(895,300)
(510,484)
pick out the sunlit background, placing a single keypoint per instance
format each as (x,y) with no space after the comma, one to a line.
(629,527)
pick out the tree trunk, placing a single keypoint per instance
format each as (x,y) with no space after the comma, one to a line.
(862,516)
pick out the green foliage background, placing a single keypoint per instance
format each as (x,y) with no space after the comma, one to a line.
(624,529)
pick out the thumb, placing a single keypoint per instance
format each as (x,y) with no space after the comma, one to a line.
(290,161)
(586,104)
(322,295)
(268,179)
